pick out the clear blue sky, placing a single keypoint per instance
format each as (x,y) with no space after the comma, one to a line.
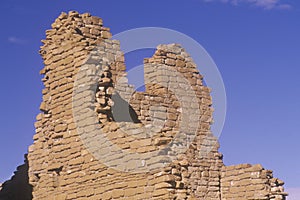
(256,47)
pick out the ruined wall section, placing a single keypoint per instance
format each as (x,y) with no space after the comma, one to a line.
(60,163)
(85,82)
(57,151)
(247,181)
(18,187)
(202,160)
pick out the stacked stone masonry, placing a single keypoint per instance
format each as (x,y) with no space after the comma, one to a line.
(250,182)
(85,91)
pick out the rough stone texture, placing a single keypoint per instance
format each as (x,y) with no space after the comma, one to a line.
(81,96)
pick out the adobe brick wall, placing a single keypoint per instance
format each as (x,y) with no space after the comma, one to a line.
(81,135)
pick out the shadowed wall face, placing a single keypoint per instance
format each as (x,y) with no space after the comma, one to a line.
(18,187)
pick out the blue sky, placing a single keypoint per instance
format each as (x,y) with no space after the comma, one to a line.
(255,45)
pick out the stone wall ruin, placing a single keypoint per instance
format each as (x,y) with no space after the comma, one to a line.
(85,89)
